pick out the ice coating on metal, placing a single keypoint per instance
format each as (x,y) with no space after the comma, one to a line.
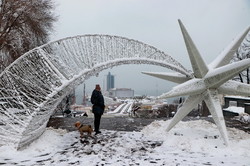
(34,84)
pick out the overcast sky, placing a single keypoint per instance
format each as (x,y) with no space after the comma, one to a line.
(212,24)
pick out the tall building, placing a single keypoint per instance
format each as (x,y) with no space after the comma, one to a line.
(110,81)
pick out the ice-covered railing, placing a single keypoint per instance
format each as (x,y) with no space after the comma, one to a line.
(34,84)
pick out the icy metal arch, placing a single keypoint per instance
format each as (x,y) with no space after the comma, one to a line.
(34,84)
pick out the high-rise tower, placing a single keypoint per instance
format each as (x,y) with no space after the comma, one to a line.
(110,81)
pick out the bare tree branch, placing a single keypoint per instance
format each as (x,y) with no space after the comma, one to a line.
(243,53)
(24,25)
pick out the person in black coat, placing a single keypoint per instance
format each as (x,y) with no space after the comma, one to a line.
(98,107)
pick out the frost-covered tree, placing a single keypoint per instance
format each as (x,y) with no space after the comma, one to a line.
(243,53)
(5,60)
(24,24)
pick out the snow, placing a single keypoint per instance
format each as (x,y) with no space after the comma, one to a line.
(123,108)
(189,143)
(239,110)
(118,109)
(243,117)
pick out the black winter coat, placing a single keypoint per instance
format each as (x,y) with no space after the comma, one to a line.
(98,102)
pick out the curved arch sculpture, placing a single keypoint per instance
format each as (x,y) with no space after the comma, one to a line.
(34,84)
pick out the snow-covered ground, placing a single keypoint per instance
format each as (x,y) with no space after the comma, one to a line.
(188,143)
(243,117)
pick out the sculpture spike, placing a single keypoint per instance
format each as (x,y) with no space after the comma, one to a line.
(191,87)
(200,69)
(174,77)
(187,107)
(225,57)
(214,106)
(234,88)
(220,75)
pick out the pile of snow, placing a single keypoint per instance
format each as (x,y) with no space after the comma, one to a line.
(243,117)
(239,110)
(188,143)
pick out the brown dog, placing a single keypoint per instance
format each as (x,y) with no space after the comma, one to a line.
(84,128)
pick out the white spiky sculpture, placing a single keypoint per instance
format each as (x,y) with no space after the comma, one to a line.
(208,82)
